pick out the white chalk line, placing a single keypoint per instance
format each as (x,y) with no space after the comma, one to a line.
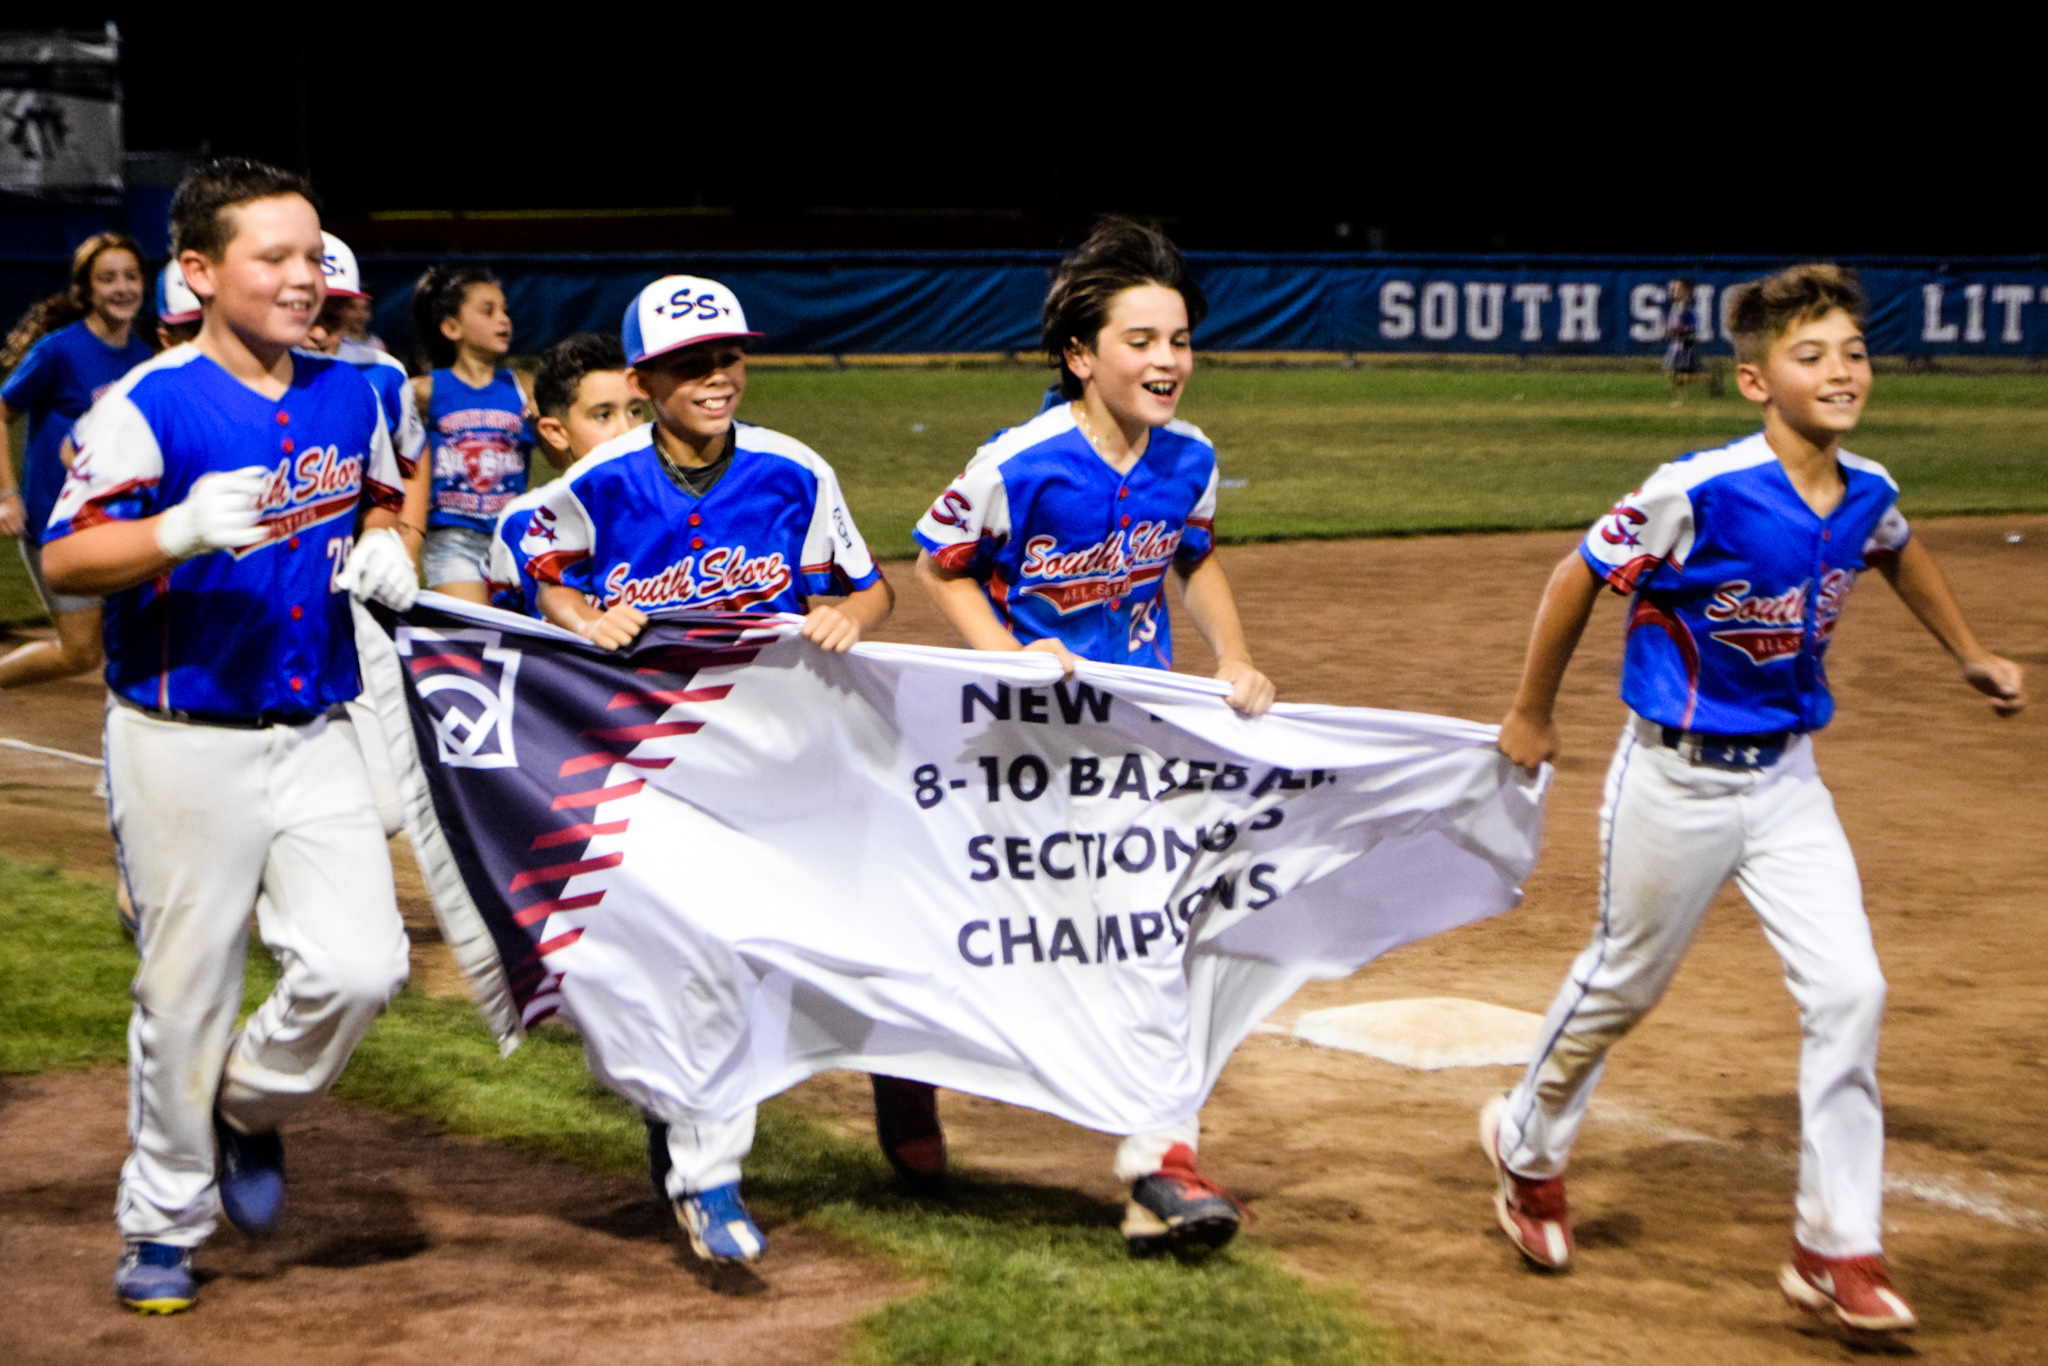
(1946,1192)
(52,753)
(1978,1194)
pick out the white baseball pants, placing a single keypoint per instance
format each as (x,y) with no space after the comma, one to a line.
(706,1156)
(1140,1154)
(1672,833)
(213,823)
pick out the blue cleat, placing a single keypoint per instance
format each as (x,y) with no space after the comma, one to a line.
(719,1228)
(250,1174)
(155,1278)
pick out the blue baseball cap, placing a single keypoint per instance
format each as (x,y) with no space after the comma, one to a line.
(175,301)
(677,311)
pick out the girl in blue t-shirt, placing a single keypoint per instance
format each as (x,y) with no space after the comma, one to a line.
(478,418)
(65,352)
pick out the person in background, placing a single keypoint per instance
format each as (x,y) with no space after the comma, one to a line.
(329,336)
(178,312)
(65,352)
(355,322)
(1681,340)
(580,389)
(479,424)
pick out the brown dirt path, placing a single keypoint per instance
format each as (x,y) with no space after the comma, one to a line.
(1366,1176)
(403,1246)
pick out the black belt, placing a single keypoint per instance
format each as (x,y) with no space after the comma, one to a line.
(1727,751)
(262,720)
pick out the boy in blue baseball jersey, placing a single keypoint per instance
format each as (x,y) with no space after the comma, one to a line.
(67,351)
(1058,537)
(697,509)
(214,500)
(329,336)
(477,415)
(581,394)
(1738,562)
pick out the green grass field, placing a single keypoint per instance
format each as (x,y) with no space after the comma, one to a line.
(1015,1274)
(1374,452)
(1338,453)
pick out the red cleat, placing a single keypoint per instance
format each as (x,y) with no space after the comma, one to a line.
(1857,1291)
(1532,1213)
(907,1126)
(1179,1211)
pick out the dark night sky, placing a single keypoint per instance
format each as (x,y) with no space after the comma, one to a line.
(1439,146)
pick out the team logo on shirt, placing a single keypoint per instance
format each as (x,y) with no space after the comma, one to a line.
(726,578)
(316,486)
(1619,526)
(477,461)
(1771,628)
(1109,569)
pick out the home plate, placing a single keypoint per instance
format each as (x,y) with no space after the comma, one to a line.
(1428,1033)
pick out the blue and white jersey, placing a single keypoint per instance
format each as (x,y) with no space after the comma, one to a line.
(387,376)
(1068,548)
(480,440)
(235,633)
(1738,585)
(505,571)
(771,533)
(59,379)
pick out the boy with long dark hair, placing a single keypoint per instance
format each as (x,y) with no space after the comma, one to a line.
(1058,537)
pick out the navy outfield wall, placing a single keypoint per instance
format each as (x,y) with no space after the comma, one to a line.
(887,302)
(879,302)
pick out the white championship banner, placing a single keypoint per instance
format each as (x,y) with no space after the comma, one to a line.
(733,860)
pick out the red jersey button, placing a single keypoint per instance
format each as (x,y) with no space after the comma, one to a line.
(292,544)
(1827,535)
(284,419)
(696,519)
(298,683)
(1126,520)
(696,543)
(297,611)
(1115,603)
(1123,493)
(287,445)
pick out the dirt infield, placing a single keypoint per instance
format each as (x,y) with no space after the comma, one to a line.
(1365,1176)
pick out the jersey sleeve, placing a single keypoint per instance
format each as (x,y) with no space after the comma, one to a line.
(410,437)
(32,384)
(560,539)
(1651,527)
(836,558)
(115,474)
(1891,534)
(1198,538)
(967,523)
(383,479)
(501,566)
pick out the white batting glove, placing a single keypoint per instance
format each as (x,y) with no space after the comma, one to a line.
(379,570)
(219,514)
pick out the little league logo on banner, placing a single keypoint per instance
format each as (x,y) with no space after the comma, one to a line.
(734,860)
